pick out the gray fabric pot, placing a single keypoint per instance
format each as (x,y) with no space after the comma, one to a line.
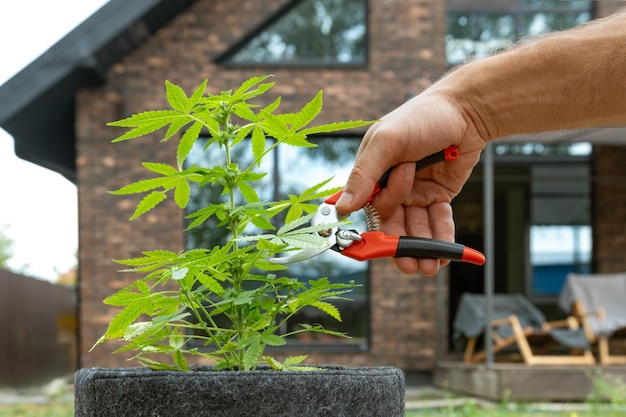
(335,391)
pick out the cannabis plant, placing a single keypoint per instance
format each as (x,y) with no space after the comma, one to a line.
(224,303)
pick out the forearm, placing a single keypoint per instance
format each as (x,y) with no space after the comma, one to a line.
(565,80)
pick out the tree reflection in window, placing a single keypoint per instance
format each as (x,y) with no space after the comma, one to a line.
(312,31)
(479,28)
(292,171)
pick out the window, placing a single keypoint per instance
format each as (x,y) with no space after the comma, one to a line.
(308,32)
(294,170)
(478,28)
(560,231)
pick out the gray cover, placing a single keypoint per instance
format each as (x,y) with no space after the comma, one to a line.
(595,291)
(470,320)
(333,392)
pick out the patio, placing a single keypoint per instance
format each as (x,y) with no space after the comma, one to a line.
(520,382)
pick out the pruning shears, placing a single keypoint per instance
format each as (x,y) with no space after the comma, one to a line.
(374,243)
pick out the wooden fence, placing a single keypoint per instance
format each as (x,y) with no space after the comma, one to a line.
(38,339)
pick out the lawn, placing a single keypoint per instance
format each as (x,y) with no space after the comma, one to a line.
(66,409)
(61,409)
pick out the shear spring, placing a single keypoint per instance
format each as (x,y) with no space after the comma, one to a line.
(372,218)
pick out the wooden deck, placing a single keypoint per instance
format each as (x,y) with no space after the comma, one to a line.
(520,382)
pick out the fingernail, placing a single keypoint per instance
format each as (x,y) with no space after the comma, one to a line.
(345,199)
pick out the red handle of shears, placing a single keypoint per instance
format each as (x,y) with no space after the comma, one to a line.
(449,154)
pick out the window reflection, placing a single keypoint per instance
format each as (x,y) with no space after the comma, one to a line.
(479,28)
(314,31)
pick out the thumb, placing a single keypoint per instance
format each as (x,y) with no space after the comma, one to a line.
(357,191)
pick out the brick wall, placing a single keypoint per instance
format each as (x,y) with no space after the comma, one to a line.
(406,52)
(609,209)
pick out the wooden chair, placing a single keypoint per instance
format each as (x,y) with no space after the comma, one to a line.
(599,303)
(517,323)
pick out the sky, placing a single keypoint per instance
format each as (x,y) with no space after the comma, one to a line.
(38,207)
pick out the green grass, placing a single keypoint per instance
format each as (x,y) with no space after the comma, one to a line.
(66,409)
(55,409)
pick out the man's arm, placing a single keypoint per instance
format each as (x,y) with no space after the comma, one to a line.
(564,80)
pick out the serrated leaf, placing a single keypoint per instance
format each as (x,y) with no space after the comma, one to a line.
(248,84)
(176,97)
(121,299)
(272,106)
(175,126)
(248,192)
(327,308)
(262,222)
(295,360)
(180,360)
(258,143)
(296,139)
(243,110)
(126,317)
(146,185)
(210,282)
(186,143)
(160,168)
(198,93)
(305,241)
(148,203)
(272,340)
(294,224)
(148,117)
(335,127)
(182,193)
(252,354)
(146,123)
(308,113)
(273,363)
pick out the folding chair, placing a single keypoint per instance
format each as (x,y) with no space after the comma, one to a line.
(599,303)
(516,322)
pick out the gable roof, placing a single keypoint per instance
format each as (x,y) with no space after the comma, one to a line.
(38,103)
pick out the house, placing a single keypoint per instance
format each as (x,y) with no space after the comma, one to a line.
(116,62)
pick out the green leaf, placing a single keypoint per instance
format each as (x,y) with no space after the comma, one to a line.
(148,203)
(123,319)
(244,92)
(210,282)
(272,339)
(273,363)
(252,354)
(147,185)
(175,126)
(272,106)
(180,360)
(198,93)
(308,113)
(258,144)
(248,192)
(146,122)
(182,193)
(123,298)
(159,168)
(327,308)
(186,143)
(335,127)
(305,241)
(294,224)
(177,98)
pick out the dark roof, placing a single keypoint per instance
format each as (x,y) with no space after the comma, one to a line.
(38,103)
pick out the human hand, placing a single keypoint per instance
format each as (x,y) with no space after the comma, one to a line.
(415,203)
